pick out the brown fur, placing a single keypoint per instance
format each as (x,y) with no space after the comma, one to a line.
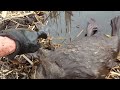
(86,58)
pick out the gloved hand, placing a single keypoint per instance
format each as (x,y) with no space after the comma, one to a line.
(26,40)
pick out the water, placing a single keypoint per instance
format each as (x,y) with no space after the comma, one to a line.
(64,27)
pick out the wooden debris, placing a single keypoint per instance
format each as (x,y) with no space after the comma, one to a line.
(28,59)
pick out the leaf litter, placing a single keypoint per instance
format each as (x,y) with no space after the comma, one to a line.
(23,66)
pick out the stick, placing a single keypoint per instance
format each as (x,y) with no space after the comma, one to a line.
(4,14)
(114,73)
(80,33)
(28,59)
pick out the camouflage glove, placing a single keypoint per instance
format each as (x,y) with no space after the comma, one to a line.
(26,40)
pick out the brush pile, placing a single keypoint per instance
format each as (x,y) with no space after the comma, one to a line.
(23,65)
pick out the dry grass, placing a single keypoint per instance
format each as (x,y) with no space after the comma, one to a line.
(20,68)
(114,73)
(24,65)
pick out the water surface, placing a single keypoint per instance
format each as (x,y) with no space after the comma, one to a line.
(68,24)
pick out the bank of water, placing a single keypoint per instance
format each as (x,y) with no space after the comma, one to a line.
(64,26)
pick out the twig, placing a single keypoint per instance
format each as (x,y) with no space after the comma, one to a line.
(17,75)
(114,73)
(8,72)
(28,59)
(49,16)
(80,33)
(4,14)
(31,27)
(17,25)
(35,72)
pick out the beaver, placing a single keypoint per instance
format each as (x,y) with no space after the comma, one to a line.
(90,57)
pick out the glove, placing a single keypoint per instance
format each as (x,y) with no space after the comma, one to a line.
(26,40)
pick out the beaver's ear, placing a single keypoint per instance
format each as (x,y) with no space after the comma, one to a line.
(112,23)
(93,33)
(115,24)
(92,27)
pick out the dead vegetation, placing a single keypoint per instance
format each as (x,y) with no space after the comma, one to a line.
(115,71)
(24,65)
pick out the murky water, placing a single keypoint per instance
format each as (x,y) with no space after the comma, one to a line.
(65,26)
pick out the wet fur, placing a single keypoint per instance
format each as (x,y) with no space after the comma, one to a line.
(86,58)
